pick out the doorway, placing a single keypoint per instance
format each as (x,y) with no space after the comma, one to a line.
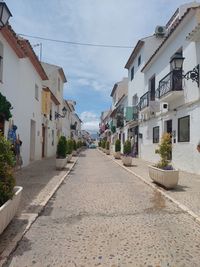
(43,140)
(168,129)
(32,140)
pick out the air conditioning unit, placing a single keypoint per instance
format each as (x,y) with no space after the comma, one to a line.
(160,30)
(164,107)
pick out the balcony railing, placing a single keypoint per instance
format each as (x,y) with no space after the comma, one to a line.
(144,101)
(171,82)
(131,113)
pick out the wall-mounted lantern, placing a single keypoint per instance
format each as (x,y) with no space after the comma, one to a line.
(177,64)
(64,113)
(5,14)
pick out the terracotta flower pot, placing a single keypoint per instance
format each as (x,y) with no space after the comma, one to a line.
(198,148)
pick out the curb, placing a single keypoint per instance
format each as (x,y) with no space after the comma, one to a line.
(194,216)
(32,217)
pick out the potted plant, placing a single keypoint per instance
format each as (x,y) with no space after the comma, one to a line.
(9,193)
(126,158)
(69,144)
(117,153)
(61,153)
(163,173)
(107,148)
(74,153)
(103,145)
(99,144)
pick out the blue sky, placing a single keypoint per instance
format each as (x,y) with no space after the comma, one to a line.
(91,71)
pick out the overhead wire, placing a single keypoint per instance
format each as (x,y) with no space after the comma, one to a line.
(74,43)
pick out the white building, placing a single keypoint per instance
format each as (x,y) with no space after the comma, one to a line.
(52,108)
(119,103)
(66,122)
(21,82)
(75,121)
(136,88)
(172,103)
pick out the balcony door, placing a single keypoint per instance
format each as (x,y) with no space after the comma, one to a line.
(168,129)
(152,88)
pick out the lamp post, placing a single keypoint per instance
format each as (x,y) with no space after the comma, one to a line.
(58,115)
(177,64)
(5,14)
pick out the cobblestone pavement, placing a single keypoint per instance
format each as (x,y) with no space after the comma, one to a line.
(105,216)
(187,192)
(39,180)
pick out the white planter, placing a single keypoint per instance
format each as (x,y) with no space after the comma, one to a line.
(117,155)
(167,178)
(74,153)
(127,160)
(60,163)
(107,152)
(9,209)
(69,157)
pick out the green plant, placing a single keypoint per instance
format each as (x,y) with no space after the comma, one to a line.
(7,181)
(99,143)
(79,144)
(74,145)
(108,145)
(103,144)
(69,146)
(127,148)
(164,150)
(61,148)
(5,108)
(117,145)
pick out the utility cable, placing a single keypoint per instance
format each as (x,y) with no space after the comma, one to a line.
(75,43)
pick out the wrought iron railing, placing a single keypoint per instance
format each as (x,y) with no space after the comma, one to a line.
(144,101)
(131,113)
(171,82)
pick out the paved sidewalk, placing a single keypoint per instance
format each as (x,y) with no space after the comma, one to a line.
(186,193)
(39,181)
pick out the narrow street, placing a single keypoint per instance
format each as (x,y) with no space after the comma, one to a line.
(104,216)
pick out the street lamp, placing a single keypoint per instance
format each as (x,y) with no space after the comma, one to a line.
(5,14)
(64,112)
(177,64)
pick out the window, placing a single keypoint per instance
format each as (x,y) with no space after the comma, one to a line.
(152,88)
(139,60)
(184,129)
(132,73)
(156,134)
(1,62)
(135,100)
(36,92)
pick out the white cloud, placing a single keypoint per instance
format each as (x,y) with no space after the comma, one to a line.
(107,22)
(90,121)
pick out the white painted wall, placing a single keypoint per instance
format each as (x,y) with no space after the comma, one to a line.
(19,79)
(189,104)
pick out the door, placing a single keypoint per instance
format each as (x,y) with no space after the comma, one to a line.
(32,140)
(43,141)
(169,130)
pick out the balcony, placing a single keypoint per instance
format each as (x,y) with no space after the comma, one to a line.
(144,102)
(131,113)
(170,87)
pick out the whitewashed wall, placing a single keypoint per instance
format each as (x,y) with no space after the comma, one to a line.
(19,79)
(188,104)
